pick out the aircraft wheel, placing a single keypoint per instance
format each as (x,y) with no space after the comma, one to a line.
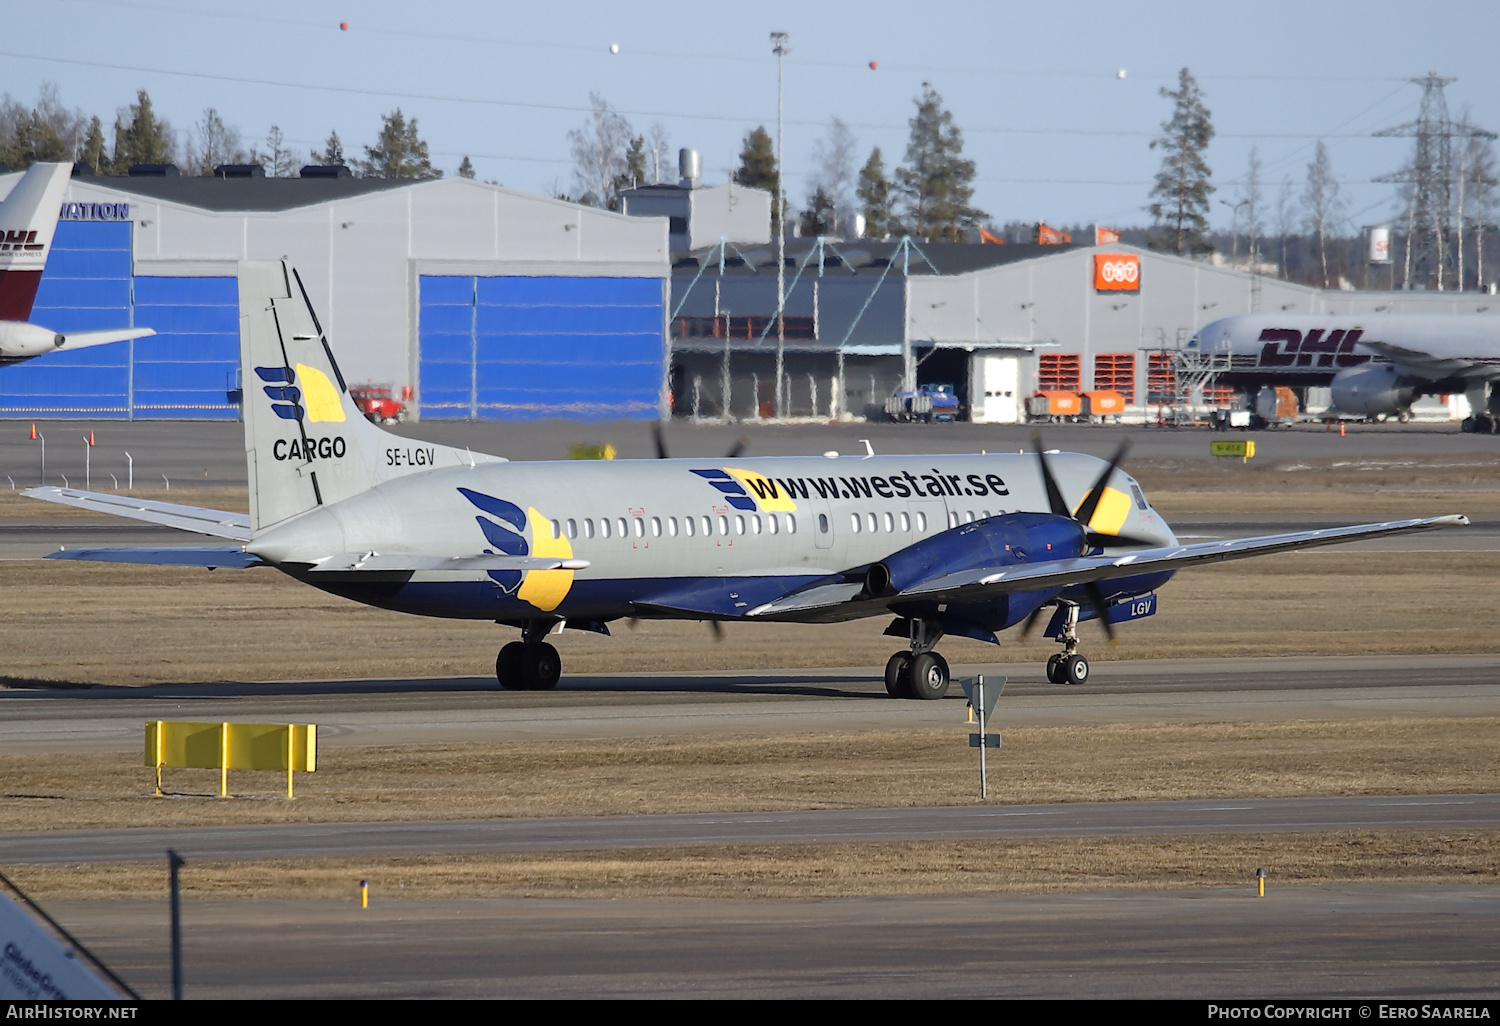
(1054,672)
(929,676)
(898,675)
(508,666)
(1074,669)
(541,667)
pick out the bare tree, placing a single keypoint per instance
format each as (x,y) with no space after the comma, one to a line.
(1322,205)
(834,178)
(659,153)
(213,143)
(1483,177)
(601,154)
(1284,218)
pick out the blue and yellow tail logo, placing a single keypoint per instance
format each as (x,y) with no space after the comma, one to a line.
(544,589)
(316,400)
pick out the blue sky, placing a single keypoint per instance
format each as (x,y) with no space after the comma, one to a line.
(1056,133)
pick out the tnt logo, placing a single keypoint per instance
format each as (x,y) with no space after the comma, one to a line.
(1117,272)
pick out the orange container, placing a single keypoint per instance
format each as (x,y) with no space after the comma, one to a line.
(1103,403)
(1063,404)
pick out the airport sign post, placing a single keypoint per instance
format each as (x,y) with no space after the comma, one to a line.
(982,702)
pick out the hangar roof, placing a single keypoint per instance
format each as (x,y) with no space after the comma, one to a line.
(863,255)
(245,194)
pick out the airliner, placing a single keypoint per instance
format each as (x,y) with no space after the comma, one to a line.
(1377,365)
(960,545)
(28,221)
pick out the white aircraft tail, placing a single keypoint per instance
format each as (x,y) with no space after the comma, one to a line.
(306,443)
(28,220)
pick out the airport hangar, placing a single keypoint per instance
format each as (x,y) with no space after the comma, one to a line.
(480,302)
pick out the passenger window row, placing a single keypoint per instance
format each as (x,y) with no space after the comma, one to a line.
(672,527)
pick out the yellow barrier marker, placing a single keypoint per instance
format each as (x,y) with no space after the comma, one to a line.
(364,894)
(226,746)
(1244,450)
(1260,880)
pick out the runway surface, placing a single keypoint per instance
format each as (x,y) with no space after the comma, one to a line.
(820,826)
(1358,943)
(461,709)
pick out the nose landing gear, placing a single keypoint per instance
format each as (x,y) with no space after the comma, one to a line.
(920,673)
(1067,666)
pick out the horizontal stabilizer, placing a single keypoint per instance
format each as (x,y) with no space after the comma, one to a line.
(212,558)
(350,562)
(84,339)
(216,522)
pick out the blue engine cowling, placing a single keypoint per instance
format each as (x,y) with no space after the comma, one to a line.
(1000,541)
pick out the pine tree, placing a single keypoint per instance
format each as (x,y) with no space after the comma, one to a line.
(91,151)
(333,151)
(1180,196)
(143,139)
(635,169)
(821,215)
(757,168)
(936,182)
(466,168)
(399,152)
(875,196)
(279,161)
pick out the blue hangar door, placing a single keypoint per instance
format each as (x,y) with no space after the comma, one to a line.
(185,371)
(520,348)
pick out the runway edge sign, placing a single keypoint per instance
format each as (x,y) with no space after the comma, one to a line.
(35,966)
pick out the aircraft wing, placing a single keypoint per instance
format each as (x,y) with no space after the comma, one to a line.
(837,600)
(84,339)
(1434,368)
(216,522)
(364,562)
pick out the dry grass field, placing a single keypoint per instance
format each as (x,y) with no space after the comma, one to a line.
(78,625)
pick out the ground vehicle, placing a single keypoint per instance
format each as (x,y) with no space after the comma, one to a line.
(377,403)
(927,403)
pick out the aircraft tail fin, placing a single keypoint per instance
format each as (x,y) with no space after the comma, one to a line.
(28,220)
(306,442)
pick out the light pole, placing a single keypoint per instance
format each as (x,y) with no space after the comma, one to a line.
(779,48)
(1235,230)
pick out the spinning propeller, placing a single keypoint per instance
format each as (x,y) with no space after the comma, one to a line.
(1086,510)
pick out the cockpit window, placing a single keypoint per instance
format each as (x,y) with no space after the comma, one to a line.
(1140,498)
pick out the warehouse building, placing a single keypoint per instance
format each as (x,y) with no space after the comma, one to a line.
(470,300)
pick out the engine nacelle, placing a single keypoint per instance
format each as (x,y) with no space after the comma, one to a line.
(998,541)
(19,340)
(1371,390)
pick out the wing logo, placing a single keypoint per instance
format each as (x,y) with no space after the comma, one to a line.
(505,529)
(317,400)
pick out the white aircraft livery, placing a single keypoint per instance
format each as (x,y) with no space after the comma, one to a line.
(1377,365)
(28,221)
(965,545)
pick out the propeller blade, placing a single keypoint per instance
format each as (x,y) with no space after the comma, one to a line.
(1030,624)
(738,448)
(716,629)
(1097,600)
(661,441)
(1091,500)
(1054,495)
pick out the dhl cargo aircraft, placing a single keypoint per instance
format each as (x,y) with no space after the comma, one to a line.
(1376,365)
(965,545)
(28,221)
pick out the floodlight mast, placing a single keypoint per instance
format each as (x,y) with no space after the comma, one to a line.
(780,49)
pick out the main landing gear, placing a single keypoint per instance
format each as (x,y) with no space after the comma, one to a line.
(529,664)
(1067,666)
(920,673)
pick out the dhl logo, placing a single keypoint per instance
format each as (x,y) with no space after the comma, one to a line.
(20,240)
(1288,347)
